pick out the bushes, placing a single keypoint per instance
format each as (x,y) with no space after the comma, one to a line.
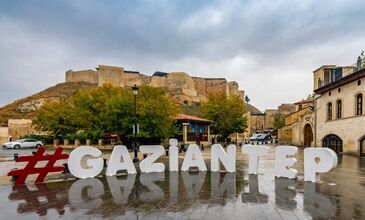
(82,135)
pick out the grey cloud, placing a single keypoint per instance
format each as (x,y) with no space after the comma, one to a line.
(261,44)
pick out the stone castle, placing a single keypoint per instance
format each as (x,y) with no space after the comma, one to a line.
(181,86)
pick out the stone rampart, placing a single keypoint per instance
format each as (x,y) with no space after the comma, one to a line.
(180,85)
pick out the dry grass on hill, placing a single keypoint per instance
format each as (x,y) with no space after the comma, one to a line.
(26,107)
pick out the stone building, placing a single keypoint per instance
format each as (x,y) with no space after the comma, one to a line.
(339,108)
(16,128)
(335,117)
(182,87)
(264,121)
(4,134)
(298,129)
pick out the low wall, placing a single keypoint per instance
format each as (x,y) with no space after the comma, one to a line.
(4,134)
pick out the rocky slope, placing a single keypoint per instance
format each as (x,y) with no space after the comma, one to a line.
(27,107)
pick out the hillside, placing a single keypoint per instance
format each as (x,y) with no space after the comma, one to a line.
(26,107)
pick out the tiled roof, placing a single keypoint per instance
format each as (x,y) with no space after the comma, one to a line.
(304,101)
(191,118)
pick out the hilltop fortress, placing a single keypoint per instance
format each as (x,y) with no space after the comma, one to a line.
(182,87)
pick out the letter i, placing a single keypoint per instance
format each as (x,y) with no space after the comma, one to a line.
(173,155)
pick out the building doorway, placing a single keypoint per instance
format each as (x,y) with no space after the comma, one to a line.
(362,147)
(308,135)
(333,142)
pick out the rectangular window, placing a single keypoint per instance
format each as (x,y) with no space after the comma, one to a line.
(339,109)
(359,104)
(336,74)
(329,111)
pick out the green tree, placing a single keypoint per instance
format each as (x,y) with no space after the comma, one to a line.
(279,121)
(56,117)
(109,109)
(155,113)
(90,109)
(227,113)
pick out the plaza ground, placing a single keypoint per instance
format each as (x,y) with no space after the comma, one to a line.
(190,195)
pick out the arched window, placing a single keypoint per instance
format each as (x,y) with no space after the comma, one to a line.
(333,142)
(329,111)
(339,109)
(319,83)
(359,104)
(362,146)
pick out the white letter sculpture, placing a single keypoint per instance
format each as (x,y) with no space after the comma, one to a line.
(228,159)
(148,165)
(318,160)
(189,161)
(173,155)
(115,164)
(95,165)
(254,152)
(283,162)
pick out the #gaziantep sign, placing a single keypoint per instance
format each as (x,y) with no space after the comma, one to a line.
(316,160)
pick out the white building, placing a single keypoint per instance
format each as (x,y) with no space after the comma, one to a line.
(339,119)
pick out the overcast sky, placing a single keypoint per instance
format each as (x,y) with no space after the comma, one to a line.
(269,47)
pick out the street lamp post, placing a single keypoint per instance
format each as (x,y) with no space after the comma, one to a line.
(135,127)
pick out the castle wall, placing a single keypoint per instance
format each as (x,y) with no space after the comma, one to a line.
(131,79)
(89,76)
(181,86)
(242,94)
(217,85)
(110,75)
(200,86)
(158,81)
(232,88)
(183,82)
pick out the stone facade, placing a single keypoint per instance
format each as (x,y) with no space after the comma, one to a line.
(339,124)
(335,116)
(4,134)
(181,86)
(261,122)
(298,129)
(20,127)
(257,122)
(269,118)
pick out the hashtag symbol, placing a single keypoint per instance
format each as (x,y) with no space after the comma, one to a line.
(22,174)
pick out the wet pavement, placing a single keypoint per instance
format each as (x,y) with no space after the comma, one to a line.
(193,195)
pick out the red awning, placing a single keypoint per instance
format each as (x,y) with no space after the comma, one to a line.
(191,118)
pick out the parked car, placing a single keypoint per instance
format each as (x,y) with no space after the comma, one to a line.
(23,143)
(255,137)
(264,137)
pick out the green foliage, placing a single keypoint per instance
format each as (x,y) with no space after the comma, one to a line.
(227,113)
(193,109)
(81,135)
(56,117)
(279,121)
(155,113)
(90,107)
(90,113)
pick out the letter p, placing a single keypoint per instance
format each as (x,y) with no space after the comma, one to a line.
(318,160)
